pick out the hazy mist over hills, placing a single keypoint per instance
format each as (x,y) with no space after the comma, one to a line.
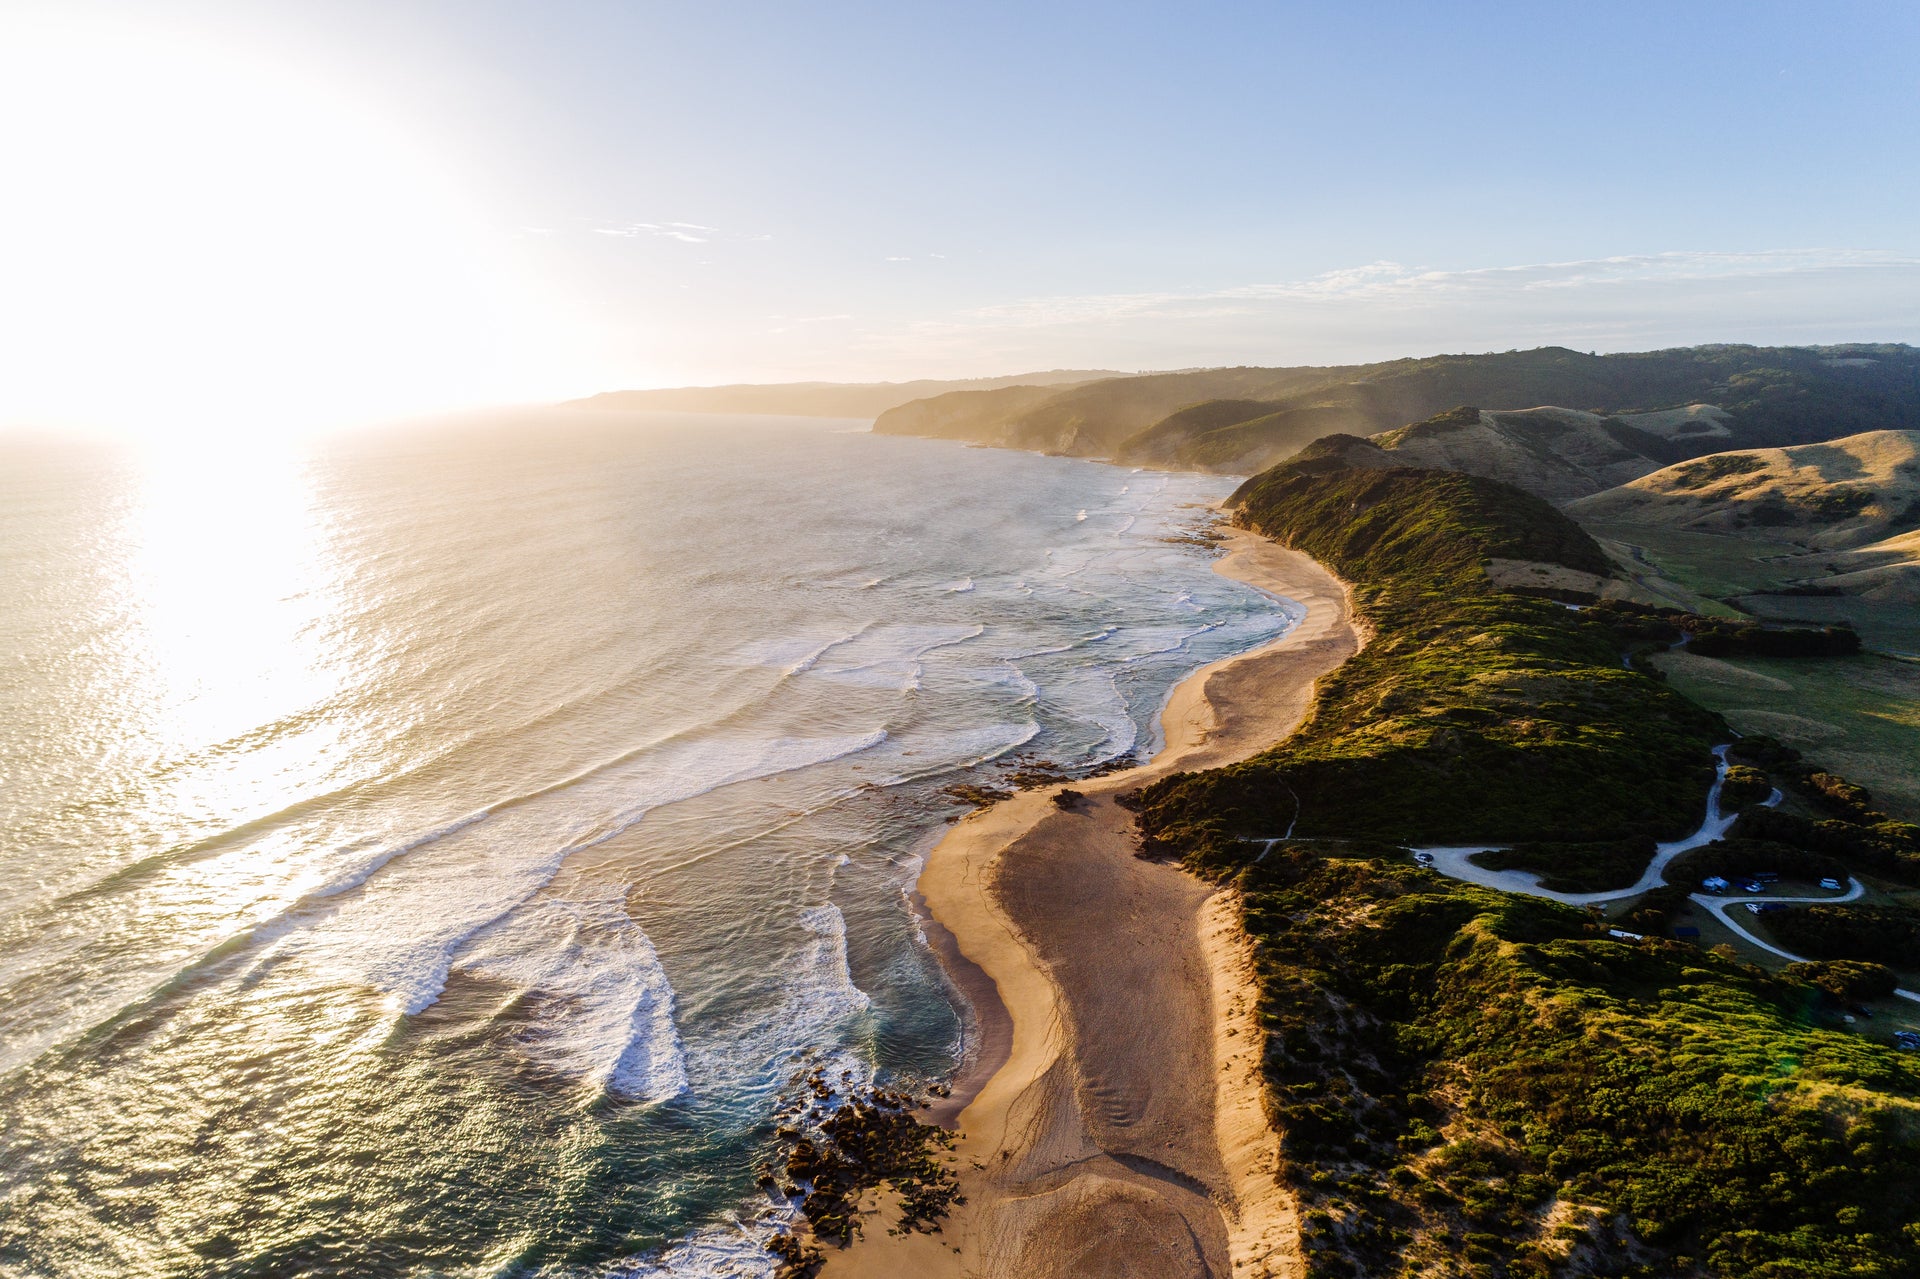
(1621,415)
(824,399)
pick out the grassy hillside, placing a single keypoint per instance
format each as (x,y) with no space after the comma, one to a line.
(951,415)
(1771,397)
(1092,420)
(1823,533)
(1559,454)
(1837,495)
(1861,715)
(1231,436)
(1472,714)
(1468,1083)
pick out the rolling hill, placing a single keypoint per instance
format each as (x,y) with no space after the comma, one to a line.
(1841,518)
(1244,419)
(1558,454)
(1839,495)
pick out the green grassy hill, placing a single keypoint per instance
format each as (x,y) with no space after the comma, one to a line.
(1468,1083)
(1473,713)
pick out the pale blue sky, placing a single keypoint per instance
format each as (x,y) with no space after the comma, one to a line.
(658,194)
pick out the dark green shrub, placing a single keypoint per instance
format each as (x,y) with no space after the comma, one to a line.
(1847,980)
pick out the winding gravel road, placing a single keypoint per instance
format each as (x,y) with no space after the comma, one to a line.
(1457,863)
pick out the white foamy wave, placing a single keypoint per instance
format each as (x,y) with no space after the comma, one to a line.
(734,1251)
(890,656)
(961,587)
(1122,736)
(399,931)
(893,673)
(796,654)
(1161,640)
(965,748)
(1095,638)
(984,745)
(358,875)
(1029,691)
(819,1006)
(827,952)
(602,1008)
(1091,696)
(968,747)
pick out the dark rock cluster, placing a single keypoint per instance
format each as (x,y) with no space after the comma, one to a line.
(841,1146)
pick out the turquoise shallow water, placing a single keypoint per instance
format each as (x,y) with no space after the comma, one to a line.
(437,852)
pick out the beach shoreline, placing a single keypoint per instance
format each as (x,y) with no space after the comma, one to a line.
(1121,1128)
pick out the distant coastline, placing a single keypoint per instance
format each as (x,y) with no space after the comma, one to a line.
(821,399)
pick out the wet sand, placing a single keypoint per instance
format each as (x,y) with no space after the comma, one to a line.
(1121,1131)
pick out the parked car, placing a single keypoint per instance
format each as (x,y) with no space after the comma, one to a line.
(1425,859)
(1752,886)
(1831,884)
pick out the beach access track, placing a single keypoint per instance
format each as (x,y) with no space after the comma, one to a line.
(1457,863)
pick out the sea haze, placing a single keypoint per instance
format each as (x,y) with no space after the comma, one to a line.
(440,851)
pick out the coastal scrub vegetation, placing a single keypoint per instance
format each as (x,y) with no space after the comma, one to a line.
(1848,829)
(1576,868)
(1472,714)
(1868,934)
(1472,1083)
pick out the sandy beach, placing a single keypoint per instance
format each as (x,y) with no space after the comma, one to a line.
(1121,1130)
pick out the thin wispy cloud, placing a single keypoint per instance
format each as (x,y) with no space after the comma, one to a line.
(1380,309)
(681,231)
(1394,284)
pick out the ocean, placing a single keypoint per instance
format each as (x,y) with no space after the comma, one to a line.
(441,851)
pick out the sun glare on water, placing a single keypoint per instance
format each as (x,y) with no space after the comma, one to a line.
(204,242)
(230,600)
